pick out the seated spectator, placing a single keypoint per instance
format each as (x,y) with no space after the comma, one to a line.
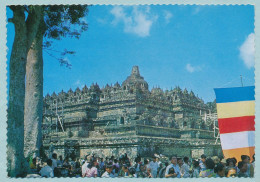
(216,160)
(108,173)
(54,161)
(124,172)
(143,172)
(47,170)
(202,162)
(253,167)
(176,168)
(220,170)
(223,162)
(185,168)
(162,171)
(60,162)
(231,172)
(91,170)
(230,163)
(209,172)
(149,173)
(196,169)
(66,163)
(242,169)
(132,172)
(33,164)
(246,159)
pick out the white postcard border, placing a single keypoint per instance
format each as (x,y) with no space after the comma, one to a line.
(3,77)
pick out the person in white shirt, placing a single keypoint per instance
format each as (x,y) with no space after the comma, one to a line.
(47,170)
(108,173)
(176,168)
(54,161)
(153,165)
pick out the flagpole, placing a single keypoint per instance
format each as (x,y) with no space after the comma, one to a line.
(241,80)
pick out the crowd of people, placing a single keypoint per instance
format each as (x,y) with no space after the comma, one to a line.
(154,167)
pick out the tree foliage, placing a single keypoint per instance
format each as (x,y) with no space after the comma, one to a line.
(62,21)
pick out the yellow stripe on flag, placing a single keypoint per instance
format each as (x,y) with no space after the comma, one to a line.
(238,152)
(236,109)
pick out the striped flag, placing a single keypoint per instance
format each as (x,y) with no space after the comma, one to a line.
(236,120)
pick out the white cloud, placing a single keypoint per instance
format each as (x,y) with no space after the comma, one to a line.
(167,16)
(192,69)
(196,10)
(101,21)
(138,21)
(247,51)
(77,83)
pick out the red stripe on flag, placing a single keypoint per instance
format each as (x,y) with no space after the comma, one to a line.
(236,124)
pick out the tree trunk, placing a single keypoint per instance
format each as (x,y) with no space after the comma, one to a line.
(34,98)
(25,32)
(15,116)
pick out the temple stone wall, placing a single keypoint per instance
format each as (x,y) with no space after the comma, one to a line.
(104,152)
(173,118)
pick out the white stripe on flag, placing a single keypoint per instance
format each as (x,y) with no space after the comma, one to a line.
(237,140)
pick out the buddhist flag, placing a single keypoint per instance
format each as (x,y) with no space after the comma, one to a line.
(236,120)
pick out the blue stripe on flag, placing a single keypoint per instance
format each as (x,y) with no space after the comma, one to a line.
(235,94)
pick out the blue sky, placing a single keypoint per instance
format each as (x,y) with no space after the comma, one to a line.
(194,47)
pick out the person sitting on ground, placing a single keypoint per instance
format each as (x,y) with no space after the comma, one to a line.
(146,162)
(132,172)
(108,173)
(176,168)
(102,164)
(246,159)
(185,168)
(162,171)
(242,169)
(230,163)
(115,170)
(216,160)
(33,164)
(220,170)
(235,163)
(66,163)
(196,169)
(231,172)
(124,172)
(209,172)
(202,162)
(142,173)
(34,169)
(47,170)
(224,162)
(60,161)
(149,173)
(54,161)
(253,167)
(91,170)
(230,166)
(179,162)
(77,168)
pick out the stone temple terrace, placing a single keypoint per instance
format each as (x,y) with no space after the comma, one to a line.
(129,118)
